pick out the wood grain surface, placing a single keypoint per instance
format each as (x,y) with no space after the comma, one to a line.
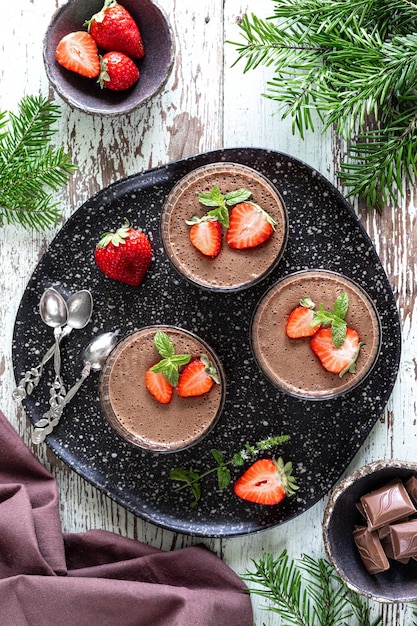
(206,104)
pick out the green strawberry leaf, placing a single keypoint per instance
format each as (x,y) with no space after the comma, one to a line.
(335,319)
(163,344)
(224,477)
(211,198)
(169,365)
(338,332)
(341,306)
(235,197)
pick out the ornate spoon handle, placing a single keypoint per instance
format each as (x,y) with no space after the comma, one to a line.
(51,418)
(57,390)
(32,377)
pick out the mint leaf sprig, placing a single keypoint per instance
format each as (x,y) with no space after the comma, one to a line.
(335,319)
(220,202)
(170,363)
(192,480)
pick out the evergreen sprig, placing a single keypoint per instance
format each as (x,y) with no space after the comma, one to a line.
(30,168)
(308,592)
(355,64)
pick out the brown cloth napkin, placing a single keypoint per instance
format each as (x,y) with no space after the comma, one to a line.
(50,578)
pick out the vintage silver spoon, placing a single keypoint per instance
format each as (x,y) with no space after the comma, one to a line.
(94,357)
(80,309)
(54,312)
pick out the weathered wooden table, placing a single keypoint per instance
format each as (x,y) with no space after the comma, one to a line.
(206,104)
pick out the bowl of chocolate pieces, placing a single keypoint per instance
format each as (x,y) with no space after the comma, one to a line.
(370,530)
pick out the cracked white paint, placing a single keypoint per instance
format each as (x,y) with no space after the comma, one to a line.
(206,104)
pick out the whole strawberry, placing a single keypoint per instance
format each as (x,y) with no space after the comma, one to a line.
(124,255)
(117,72)
(113,28)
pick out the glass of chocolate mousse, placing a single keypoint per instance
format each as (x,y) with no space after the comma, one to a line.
(231,270)
(291,364)
(134,412)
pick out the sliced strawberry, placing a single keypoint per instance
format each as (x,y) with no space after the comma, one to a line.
(249,226)
(299,323)
(197,378)
(78,53)
(206,236)
(266,482)
(159,387)
(336,360)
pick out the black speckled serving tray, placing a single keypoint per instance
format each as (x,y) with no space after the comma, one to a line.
(325,435)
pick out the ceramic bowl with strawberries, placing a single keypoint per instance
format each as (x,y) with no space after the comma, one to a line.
(370,530)
(107,58)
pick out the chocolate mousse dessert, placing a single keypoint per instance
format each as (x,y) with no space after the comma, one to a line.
(305,366)
(229,267)
(134,398)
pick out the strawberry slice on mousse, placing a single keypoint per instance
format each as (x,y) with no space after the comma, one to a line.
(336,360)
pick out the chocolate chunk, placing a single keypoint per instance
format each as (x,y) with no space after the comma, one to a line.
(386,543)
(383,532)
(359,506)
(404,539)
(411,487)
(370,550)
(386,505)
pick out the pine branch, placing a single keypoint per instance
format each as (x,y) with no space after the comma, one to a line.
(347,61)
(282,584)
(381,160)
(327,591)
(29,166)
(308,592)
(360,610)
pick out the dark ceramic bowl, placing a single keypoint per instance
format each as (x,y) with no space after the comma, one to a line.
(399,582)
(85,94)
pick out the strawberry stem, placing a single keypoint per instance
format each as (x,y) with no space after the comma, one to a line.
(351,367)
(99,17)
(308,303)
(116,238)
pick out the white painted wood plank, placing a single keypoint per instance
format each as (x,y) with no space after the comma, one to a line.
(206,104)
